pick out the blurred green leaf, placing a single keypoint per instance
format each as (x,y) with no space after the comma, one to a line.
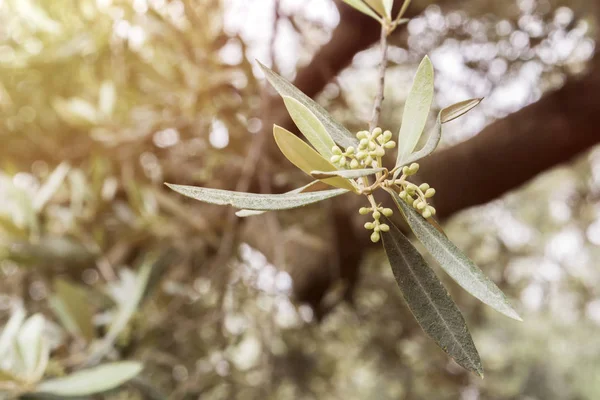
(71,305)
(378,6)
(255,201)
(31,348)
(363,8)
(11,330)
(305,158)
(51,186)
(346,173)
(310,126)
(416,111)
(338,132)
(91,381)
(455,263)
(429,301)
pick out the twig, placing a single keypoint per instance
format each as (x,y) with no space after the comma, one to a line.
(381,84)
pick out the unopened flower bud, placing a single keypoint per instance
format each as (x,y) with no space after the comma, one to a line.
(364,211)
(405,170)
(379,152)
(362,134)
(354,164)
(426,214)
(369,160)
(431,210)
(424,187)
(375,237)
(387,135)
(376,214)
(361,155)
(336,150)
(363,143)
(384,227)
(372,146)
(403,195)
(388,212)
(343,161)
(414,168)
(335,159)
(369,225)
(376,132)
(350,150)
(430,193)
(421,205)
(390,145)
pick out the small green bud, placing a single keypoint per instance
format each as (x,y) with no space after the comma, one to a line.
(415,203)
(369,160)
(362,134)
(388,212)
(372,146)
(421,205)
(377,228)
(430,193)
(390,145)
(409,199)
(387,135)
(364,211)
(363,144)
(380,152)
(336,150)
(375,237)
(405,170)
(350,150)
(369,225)
(411,188)
(426,214)
(403,195)
(431,210)
(361,155)
(414,168)
(424,187)
(384,227)
(376,132)
(354,164)
(343,161)
(376,214)
(335,159)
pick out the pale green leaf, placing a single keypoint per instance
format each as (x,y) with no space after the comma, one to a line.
(51,186)
(416,110)
(445,115)
(346,173)
(91,381)
(338,132)
(250,213)
(305,157)
(363,8)
(254,201)
(71,305)
(11,330)
(30,343)
(310,126)
(429,301)
(388,5)
(456,110)
(455,263)
(377,5)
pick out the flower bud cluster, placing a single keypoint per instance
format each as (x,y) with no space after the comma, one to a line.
(371,147)
(376,226)
(416,196)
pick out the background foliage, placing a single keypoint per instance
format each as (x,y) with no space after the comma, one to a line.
(102,101)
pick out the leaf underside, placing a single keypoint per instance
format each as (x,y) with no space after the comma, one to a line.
(429,301)
(346,173)
(362,7)
(455,262)
(250,213)
(338,132)
(254,201)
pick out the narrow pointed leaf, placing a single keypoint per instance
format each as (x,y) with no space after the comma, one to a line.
(255,201)
(416,110)
(30,342)
(445,115)
(91,381)
(305,157)
(455,262)
(362,7)
(429,301)
(456,110)
(310,126)
(338,132)
(71,306)
(388,5)
(11,330)
(346,173)
(377,5)
(250,213)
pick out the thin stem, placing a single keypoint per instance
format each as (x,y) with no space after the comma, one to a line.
(381,85)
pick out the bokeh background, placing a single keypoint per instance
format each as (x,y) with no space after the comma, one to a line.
(101,101)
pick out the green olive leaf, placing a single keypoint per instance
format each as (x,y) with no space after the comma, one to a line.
(91,381)
(250,213)
(416,111)
(255,201)
(455,262)
(378,6)
(445,115)
(310,126)
(363,8)
(306,158)
(346,173)
(71,305)
(338,132)
(429,301)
